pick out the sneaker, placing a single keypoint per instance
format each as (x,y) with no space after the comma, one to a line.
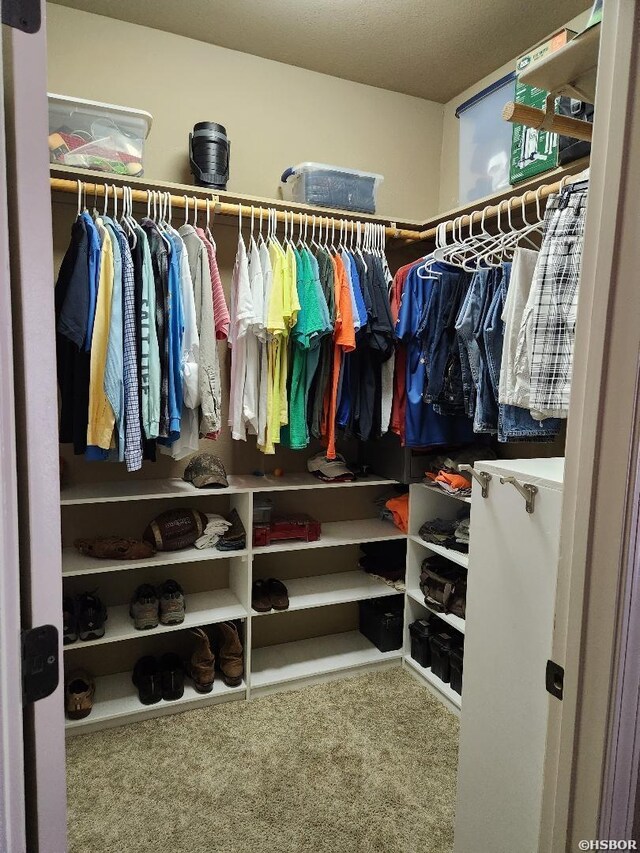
(69,620)
(144,608)
(202,663)
(171,677)
(91,615)
(146,677)
(79,692)
(172,604)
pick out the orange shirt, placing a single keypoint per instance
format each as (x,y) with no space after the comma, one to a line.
(344,340)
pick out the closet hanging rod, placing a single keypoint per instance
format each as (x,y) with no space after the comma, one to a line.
(513,203)
(223,208)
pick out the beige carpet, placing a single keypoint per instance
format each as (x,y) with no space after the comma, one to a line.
(361,765)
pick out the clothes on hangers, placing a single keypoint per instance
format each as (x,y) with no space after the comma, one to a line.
(136,339)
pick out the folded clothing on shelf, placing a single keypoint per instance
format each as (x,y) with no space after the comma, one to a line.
(399,509)
(385,559)
(217,525)
(443,469)
(448,532)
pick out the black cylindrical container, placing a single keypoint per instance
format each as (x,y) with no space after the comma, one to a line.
(209,152)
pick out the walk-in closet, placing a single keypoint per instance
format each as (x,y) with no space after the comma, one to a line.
(318,465)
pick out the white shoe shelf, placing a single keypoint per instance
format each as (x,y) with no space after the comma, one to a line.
(270,664)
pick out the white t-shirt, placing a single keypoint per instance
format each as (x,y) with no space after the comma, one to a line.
(241,317)
(250,406)
(267,275)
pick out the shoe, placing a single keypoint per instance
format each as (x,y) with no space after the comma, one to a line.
(260,598)
(171,677)
(144,608)
(79,692)
(229,653)
(172,604)
(202,663)
(92,615)
(146,677)
(278,594)
(69,621)
(235,539)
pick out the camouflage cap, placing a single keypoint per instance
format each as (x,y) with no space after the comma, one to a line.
(206,471)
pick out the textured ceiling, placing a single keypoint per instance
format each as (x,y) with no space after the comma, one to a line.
(430,48)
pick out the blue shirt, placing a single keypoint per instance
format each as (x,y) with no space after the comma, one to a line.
(175,333)
(424,427)
(94,272)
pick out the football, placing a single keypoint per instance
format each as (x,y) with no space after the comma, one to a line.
(175,529)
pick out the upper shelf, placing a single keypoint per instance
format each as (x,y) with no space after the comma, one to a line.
(144,490)
(571,71)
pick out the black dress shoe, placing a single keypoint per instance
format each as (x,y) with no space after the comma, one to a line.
(171,677)
(146,677)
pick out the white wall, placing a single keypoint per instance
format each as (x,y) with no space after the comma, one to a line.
(276,115)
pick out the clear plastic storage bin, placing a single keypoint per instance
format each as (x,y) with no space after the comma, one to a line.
(102,137)
(485,141)
(331,186)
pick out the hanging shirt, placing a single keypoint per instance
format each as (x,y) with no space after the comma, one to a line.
(423,427)
(344,341)
(276,328)
(160,264)
(101,418)
(241,318)
(318,390)
(220,310)
(251,396)
(262,334)
(209,367)
(133,434)
(113,372)
(73,361)
(175,330)
(399,403)
(93,255)
(148,351)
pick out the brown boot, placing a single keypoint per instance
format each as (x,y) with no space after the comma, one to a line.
(202,663)
(229,653)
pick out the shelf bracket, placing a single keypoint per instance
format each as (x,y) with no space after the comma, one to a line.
(481,476)
(527,490)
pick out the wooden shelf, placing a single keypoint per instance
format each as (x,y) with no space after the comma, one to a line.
(443,689)
(117,702)
(74,563)
(144,490)
(318,656)
(455,621)
(202,608)
(571,71)
(455,556)
(336,588)
(336,533)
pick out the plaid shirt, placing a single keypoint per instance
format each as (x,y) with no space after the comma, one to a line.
(553,301)
(133,433)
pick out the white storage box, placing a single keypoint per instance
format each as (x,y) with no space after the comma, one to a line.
(485,141)
(91,135)
(331,186)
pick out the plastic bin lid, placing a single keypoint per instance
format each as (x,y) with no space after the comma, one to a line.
(68,101)
(313,167)
(484,93)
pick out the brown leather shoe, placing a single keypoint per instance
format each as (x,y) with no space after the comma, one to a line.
(260,598)
(278,593)
(202,663)
(79,692)
(230,659)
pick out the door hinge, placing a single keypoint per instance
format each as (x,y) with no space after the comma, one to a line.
(25,15)
(40,665)
(555,679)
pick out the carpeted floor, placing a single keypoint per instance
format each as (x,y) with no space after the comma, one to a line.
(362,765)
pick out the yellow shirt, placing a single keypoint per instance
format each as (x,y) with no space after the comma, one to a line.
(101,416)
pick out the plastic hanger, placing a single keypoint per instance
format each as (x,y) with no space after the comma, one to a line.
(79,198)
(260,235)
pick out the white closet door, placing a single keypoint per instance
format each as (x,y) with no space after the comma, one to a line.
(510,614)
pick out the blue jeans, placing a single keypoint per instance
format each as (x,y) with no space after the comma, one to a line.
(514,423)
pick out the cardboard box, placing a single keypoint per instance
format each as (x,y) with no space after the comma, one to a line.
(534,151)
